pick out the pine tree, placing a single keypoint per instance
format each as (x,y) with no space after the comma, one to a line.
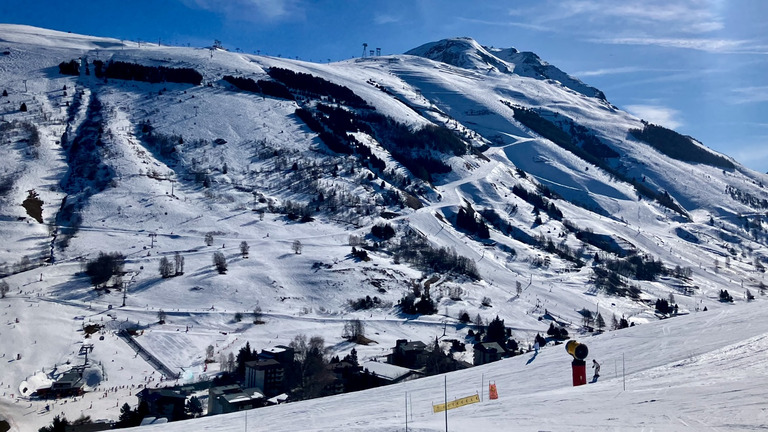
(599,321)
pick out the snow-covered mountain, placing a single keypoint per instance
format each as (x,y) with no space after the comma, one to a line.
(494,181)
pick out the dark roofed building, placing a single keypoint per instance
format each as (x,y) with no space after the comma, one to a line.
(162,402)
(411,355)
(487,352)
(231,398)
(267,375)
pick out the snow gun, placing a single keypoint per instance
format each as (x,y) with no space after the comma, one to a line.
(579,352)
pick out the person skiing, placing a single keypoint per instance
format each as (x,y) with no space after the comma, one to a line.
(596,367)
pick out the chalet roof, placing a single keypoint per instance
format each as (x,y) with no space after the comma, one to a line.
(233,394)
(155,393)
(413,346)
(489,346)
(386,370)
(70,378)
(263,364)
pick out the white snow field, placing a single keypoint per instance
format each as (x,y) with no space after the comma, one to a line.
(697,371)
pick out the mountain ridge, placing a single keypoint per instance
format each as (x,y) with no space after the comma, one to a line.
(509,194)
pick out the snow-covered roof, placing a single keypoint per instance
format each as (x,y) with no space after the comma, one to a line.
(386,370)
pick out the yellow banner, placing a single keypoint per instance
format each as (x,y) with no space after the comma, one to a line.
(457,403)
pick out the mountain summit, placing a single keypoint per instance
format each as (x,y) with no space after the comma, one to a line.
(466,53)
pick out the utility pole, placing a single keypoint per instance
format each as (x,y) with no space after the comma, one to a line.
(445,381)
(125,291)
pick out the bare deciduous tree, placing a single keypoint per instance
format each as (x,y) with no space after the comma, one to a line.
(297,246)
(353,329)
(166,268)
(220,262)
(4,288)
(178,261)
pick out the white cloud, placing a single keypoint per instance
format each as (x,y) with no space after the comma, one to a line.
(657,114)
(709,45)
(608,71)
(745,95)
(385,19)
(691,16)
(251,10)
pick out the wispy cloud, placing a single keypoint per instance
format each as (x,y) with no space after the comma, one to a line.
(608,71)
(504,23)
(657,114)
(701,44)
(685,24)
(381,19)
(691,16)
(745,95)
(251,10)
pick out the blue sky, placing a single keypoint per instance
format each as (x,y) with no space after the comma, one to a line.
(698,66)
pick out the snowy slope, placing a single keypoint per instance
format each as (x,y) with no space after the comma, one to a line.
(700,372)
(146,204)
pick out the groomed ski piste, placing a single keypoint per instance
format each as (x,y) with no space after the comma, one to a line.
(697,371)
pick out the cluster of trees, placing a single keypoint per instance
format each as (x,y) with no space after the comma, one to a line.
(383,231)
(101,269)
(71,67)
(725,297)
(354,330)
(468,220)
(678,146)
(746,197)
(61,424)
(416,250)
(152,74)
(665,307)
(87,174)
(562,250)
(538,202)
(366,302)
(170,269)
(360,254)
(418,301)
(267,88)
(637,267)
(612,283)
(316,87)
(557,332)
(162,145)
(549,130)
